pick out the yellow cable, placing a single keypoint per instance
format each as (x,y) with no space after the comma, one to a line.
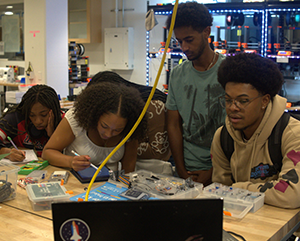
(146,105)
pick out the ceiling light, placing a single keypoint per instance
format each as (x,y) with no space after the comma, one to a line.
(8,13)
(9,6)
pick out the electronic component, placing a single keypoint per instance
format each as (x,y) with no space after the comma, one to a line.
(135,194)
(37,175)
(34,177)
(57,176)
(85,175)
(161,186)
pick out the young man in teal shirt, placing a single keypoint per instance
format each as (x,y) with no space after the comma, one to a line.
(194,112)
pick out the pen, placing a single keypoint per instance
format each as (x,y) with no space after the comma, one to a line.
(76,154)
(108,194)
(12,142)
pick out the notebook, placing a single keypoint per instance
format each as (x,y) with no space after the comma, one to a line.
(170,219)
(29,154)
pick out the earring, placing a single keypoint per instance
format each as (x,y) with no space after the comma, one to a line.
(263,107)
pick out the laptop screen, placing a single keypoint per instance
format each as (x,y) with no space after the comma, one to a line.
(185,219)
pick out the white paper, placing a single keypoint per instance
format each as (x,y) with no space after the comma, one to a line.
(30,156)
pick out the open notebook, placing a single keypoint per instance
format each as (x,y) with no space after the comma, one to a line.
(30,156)
(169,219)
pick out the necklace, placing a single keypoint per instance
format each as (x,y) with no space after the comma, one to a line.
(210,65)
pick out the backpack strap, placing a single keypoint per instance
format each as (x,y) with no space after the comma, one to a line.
(227,143)
(274,141)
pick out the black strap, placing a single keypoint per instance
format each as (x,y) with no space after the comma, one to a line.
(274,143)
(227,143)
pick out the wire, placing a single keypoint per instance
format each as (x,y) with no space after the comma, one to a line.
(235,234)
(145,107)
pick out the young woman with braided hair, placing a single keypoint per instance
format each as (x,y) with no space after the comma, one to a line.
(31,123)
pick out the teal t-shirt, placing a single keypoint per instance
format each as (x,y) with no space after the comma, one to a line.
(195,94)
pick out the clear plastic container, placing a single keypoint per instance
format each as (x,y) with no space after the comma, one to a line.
(8,181)
(37,175)
(42,195)
(236,209)
(242,197)
(163,186)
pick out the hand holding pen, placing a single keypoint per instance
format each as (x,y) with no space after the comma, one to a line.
(81,162)
(16,154)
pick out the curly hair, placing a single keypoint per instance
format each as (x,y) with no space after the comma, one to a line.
(43,94)
(191,14)
(263,74)
(109,76)
(105,98)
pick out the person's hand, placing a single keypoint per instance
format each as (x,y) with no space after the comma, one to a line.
(16,155)
(202,176)
(50,126)
(80,162)
(182,173)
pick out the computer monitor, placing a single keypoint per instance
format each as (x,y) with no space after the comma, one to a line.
(168,219)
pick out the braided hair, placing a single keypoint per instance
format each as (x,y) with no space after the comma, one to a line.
(43,94)
(109,76)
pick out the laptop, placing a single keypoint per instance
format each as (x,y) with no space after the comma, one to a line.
(168,219)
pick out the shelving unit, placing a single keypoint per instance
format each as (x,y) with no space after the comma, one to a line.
(85,21)
(271,29)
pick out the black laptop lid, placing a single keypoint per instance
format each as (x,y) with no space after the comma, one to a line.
(193,219)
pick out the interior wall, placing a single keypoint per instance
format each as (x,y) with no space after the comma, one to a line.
(56,53)
(34,39)
(46,38)
(134,16)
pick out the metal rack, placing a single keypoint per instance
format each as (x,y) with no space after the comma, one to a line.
(271,29)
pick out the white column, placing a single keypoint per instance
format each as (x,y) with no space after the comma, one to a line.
(46,43)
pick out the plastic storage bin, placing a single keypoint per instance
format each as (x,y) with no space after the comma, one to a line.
(8,181)
(37,176)
(236,209)
(240,200)
(42,195)
(164,187)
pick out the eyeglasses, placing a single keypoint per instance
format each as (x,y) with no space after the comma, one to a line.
(241,102)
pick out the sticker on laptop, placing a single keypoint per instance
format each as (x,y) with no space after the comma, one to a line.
(74,229)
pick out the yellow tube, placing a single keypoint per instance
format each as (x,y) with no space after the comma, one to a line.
(146,105)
